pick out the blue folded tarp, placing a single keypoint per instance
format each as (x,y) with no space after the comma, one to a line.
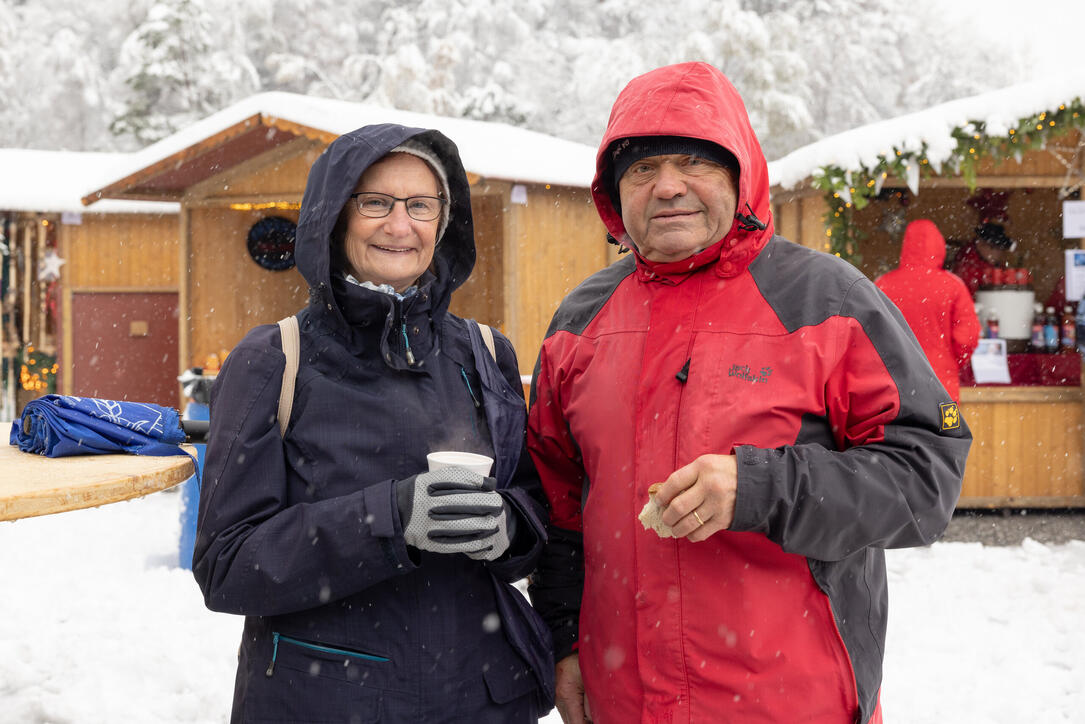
(58,425)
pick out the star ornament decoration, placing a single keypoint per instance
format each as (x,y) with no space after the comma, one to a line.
(49,267)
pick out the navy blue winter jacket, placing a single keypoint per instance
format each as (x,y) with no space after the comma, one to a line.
(301,533)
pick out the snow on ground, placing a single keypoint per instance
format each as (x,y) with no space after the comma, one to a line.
(99,625)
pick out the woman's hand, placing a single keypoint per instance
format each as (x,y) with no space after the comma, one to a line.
(453,510)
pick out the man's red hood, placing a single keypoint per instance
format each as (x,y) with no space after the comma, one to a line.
(697,101)
(923,247)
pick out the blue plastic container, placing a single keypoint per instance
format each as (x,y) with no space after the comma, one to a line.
(190,492)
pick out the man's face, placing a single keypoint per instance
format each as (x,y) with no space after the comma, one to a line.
(675,205)
(994,255)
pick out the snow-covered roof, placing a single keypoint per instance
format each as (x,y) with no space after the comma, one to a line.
(55,181)
(861,147)
(492,150)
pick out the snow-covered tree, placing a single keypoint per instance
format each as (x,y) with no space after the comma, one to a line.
(71,70)
(175,72)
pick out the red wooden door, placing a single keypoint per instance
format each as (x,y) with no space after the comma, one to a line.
(124,346)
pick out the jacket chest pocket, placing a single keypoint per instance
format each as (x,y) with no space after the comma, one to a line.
(747,390)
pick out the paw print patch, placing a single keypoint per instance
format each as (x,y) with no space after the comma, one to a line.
(951,416)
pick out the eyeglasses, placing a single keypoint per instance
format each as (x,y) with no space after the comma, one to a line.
(376,205)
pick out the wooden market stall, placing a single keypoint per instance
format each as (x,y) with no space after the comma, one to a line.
(76,284)
(1012,156)
(537,232)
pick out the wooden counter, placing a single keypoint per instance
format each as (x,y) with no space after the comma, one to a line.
(1027,449)
(36,485)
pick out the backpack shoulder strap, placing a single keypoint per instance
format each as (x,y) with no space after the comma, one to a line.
(288,328)
(488,338)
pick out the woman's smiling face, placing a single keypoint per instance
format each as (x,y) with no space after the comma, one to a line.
(395,249)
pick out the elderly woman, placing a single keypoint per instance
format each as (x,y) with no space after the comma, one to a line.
(372,589)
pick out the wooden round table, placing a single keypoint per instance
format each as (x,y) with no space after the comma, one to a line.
(37,485)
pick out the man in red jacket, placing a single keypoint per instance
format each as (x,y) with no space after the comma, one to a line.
(795,424)
(935,303)
(990,250)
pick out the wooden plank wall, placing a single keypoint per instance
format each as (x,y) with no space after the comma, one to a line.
(482,296)
(120,251)
(800,218)
(228,293)
(554,242)
(1027,447)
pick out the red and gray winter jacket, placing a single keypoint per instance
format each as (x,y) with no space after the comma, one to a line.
(795,362)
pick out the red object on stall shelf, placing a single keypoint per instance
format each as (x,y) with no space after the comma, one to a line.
(1035,370)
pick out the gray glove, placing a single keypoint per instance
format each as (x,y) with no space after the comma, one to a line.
(453,510)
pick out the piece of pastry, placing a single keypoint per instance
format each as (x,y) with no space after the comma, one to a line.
(651,516)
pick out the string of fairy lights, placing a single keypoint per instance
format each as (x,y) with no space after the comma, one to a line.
(850,190)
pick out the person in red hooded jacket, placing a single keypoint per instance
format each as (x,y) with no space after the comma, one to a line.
(781,400)
(935,302)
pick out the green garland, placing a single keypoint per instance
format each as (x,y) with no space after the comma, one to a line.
(847,191)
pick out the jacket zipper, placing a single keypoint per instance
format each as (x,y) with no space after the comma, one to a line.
(474,399)
(276,637)
(470,390)
(407,344)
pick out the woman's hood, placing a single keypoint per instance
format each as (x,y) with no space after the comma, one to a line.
(694,100)
(331,182)
(923,246)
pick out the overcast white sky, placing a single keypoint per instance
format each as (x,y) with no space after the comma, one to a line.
(1052,30)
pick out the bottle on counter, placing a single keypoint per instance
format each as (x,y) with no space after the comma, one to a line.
(1080,319)
(1036,339)
(1067,330)
(1051,331)
(991,330)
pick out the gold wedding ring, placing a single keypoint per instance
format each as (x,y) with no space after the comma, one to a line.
(698,517)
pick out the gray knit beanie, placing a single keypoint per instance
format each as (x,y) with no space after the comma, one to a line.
(424,152)
(626,151)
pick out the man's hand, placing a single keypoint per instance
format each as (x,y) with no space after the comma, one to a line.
(569,692)
(699,499)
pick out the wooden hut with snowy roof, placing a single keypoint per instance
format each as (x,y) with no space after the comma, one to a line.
(1014,156)
(537,233)
(89,296)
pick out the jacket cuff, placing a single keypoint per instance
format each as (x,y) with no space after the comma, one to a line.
(754,488)
(525,542)
(380,509)
(566,640)
(382,515)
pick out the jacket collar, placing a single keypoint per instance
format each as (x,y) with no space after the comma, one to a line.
(728,258)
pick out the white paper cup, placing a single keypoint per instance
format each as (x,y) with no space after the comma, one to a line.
(480,464)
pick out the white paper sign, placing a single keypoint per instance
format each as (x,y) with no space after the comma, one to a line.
(518,194)
(1075,274)
(71,218)
(1073,219)
(989,362)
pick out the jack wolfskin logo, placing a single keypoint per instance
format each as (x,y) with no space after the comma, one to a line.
(951,416)
(744,372)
